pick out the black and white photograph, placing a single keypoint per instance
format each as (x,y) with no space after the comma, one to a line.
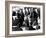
(25,18)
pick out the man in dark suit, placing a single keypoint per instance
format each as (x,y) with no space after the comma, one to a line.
(17,22)
(33,17)
(20,16)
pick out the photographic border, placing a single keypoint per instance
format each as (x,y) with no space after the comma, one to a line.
(7,4)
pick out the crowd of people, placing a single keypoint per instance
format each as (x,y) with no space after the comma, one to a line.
(26,17)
